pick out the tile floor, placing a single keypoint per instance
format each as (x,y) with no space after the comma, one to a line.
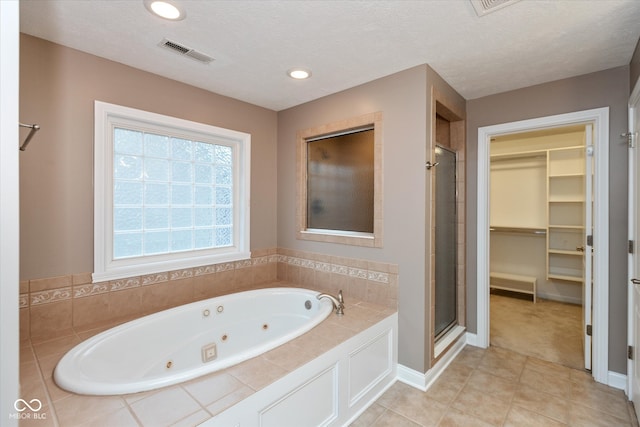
(498,387)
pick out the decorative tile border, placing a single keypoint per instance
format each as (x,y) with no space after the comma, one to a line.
(347,267)
(369,281)
(225,266)
(151,279)
(81,290)
(326,267)
(53,295)
(323,266)
(243,263)
(377,276)
(340,269)
(205,269)
(181,274)
(260,260)
(358,273)
(374,282)
(128,283)
(90,289)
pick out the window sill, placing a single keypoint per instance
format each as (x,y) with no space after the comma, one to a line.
(354,238)
(126,271)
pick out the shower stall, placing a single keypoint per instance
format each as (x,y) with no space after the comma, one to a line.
(446,232)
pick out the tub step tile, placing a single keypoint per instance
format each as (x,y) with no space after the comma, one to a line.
(165,407)
(212,387)
(193,419)
(257,373)
(121,418)
(229,400)
(291,356)
(77,409)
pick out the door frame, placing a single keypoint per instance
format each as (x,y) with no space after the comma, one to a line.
(599,117)
(634,100)
(9,209)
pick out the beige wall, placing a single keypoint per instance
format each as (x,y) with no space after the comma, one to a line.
(58,86)
(606,88)
(403,99)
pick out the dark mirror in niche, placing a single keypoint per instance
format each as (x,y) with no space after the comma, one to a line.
(340,181)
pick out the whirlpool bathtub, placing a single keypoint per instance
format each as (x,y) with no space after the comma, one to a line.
(186,342)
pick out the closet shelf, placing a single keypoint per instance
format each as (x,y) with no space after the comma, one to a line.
(567,227)
(565,252)
(518,230)
(566,175)
(564,277)
(519,155)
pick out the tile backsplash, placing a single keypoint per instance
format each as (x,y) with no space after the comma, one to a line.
(52,307)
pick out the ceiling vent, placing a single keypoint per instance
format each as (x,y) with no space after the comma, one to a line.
(186,51)
(483,7)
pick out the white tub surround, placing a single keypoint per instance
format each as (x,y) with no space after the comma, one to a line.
(189,341)
(330,390)
(198,400)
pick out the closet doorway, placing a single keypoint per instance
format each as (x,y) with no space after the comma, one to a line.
(540,215)
(599,120)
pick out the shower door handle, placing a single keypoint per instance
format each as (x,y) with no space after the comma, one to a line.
(430,165)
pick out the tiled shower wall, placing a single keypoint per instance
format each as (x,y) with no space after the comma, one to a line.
(56,306)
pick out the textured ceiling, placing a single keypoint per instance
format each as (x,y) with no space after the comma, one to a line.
(347,43)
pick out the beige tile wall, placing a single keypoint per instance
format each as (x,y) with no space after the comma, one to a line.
(56,306)
(368,281)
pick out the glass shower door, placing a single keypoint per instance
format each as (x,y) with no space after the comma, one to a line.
(445,242)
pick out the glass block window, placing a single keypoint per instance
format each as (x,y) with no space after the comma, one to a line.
(171,194)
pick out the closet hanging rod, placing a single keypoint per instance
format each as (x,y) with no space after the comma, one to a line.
(34,128)
(533,231)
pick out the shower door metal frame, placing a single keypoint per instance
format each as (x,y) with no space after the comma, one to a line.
(455,321)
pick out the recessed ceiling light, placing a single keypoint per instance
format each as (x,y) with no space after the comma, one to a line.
(299,73)
(165,9)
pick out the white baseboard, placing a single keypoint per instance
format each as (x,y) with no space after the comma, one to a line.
(422,381)
(472,339)
(412,377)
(617,380)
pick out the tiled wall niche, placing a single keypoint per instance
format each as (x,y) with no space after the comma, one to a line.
(58,306)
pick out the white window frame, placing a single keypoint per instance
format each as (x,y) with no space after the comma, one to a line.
(107,117)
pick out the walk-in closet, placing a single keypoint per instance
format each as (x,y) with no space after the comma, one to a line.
(539,201)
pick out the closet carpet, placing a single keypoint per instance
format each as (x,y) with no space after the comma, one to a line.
(547,330)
